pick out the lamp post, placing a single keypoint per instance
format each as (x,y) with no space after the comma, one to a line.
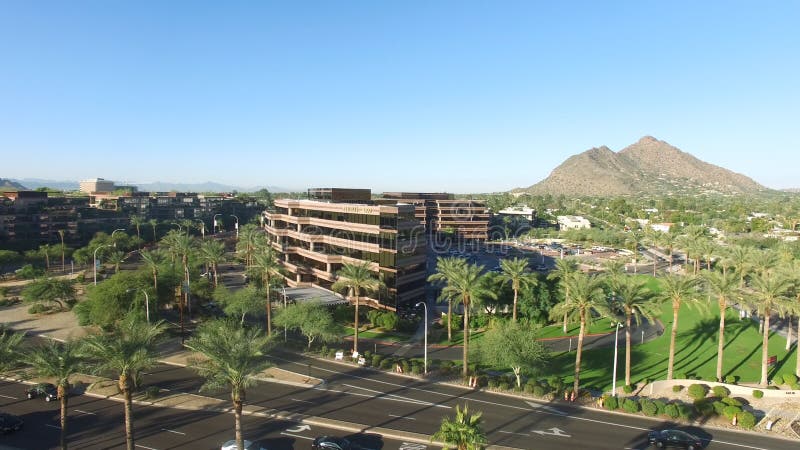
(94,260)
(236,225)
(146,303)
(177,225)
(214,220)
(425,348)
(614,380)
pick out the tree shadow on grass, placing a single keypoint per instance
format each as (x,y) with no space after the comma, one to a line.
(702,331)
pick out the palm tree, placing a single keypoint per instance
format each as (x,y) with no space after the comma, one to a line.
(153,223)
(677,289)
(515,271)
(251,237)
(463,432)
(116,258)
(355,279)
(770,291)
(213,253)
(267,264)
(586,298)
(707,249)
(152,260)
(231,355)
(183,245)
(725,286)
(467,284)
(564,269)
(61,236)
(636,301)
(635,239)
(137,221)
(60,361)
(445,268)
(742,260)
(9,345)
(126,353)
(764,261)
(668,241)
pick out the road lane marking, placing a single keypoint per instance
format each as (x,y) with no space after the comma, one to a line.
(413,402)
(301,401)
(297,436)
(85,412)
(737,445)
(299,428)
(52,426)
(146,448)
(402,417)
(511,432)
(8,396)
(396,397)
(173,431)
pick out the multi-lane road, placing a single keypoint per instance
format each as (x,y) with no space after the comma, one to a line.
(384,404)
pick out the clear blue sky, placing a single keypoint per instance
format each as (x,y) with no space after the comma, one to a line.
(431,95)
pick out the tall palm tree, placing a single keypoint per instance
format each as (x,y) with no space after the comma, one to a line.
(515,271)
(212,253)
(764,261)
(268,266)
(231,355)
(564,269)
(182,245)
(586,298)
(137,221)
(668,240)
(463,432)
(725,286)
(742,260)
(467,284)
(152,260)
(707,250)
(116,258)
(61,236)
(677,289)
(125,354)
(153,223)
(445,268)
(60,361)
(251,237)
(355,279)
(634,239)
(770,291)
(9,348)
(636,301)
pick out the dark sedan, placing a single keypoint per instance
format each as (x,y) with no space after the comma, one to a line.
(674,438)
(330,443)
(9,423)
(46,390)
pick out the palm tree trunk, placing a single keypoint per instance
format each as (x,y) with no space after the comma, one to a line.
(797,363)
(355,334)
(564,326)
(269,308)
(465,370)
(449,320)
(216,280)
(126,394)
(721,345)
(237,417)
(627,349)
(673,334)
(789,333)
(63,396)
(765,350)
(579,351)
(514,314)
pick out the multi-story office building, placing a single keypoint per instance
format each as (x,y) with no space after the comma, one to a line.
(96,185)
(442,213)
(316,238)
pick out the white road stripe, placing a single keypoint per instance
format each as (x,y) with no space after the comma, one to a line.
(85,412)
(297,436)
(301,401)
(395,397)
(402,417)
(8,396)
(173,431)
(146,448)
(511,432)
(52,426)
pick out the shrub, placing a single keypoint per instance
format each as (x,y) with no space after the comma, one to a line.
(152,392)
(698,391)
(492,382)
(539,391)
(628,388)
(682,376)
(377,359)
(758,394)
(685,412)
(719,407)
(503,385)
(705,407)
(672,411)
(731,379)
(528,388)
(416,368)
(611,403)
(730,411)
(677,388)
(631,406)
(648,407)
(661,406)
(732,401)
(387,364)
(747,420)
(37,309)
(405,365)
(790,379)
(721,391)
(555,383)
(483,381)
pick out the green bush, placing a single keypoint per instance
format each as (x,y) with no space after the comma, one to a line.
(37,309)
(377,358)
(721,391)
(730,411)
(387,364)
(628,388)
(683,376)
(789,379)
(677,388)
(672,411)
(492,382)
(417,369)
(746,420)
(648,407)
(758,394)
(661,406)
(732,401)
(631,406)
(698,391)
(611,403)
(555,383)
(731,379)
(539,391)
(719,407)
(503,385)
(705,407)
(152,392)
(483,381)
(685,412)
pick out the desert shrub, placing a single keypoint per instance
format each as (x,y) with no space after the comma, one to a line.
(405,365)
(152,392)
(503,385)
(698,391)
(386,364)
(747,420)
(628,388)
(732,401)
(377,359)
(630,405)
(38,308)
(417,368)
(648,407)
(721,391)
(730,411)
(795,387)
(731,379)
(677,388)
(611,403)
(492,382)
(539,391)
(685,412)
(719,407)
(758,394)
(555,383)
(483,381)
(790,379)
(672,410)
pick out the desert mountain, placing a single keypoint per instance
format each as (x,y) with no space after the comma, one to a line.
(649,166)
(10,185)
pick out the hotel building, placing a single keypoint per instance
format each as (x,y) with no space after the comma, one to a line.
(316,237)
(443,213)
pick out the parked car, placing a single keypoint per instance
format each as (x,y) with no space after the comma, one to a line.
(231,445)
(9,423)
(46,390)
(674,438)
(331,443)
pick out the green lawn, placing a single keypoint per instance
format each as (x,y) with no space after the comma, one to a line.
(556,330)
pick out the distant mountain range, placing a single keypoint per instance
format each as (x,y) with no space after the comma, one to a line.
(158,186)
(11,185)
(649,167)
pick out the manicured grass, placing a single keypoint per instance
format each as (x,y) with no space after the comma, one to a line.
(599,326)
(378,333)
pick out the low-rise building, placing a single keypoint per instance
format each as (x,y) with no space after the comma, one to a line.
(572,222)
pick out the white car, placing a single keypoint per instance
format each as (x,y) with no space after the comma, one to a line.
(231,445)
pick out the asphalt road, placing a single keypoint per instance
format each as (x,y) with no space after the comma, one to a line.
(98,424)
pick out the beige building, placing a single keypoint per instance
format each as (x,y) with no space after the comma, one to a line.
(442,213)
(96,185)
(315,238)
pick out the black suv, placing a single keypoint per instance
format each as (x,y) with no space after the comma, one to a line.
(674,438)
(9,423)
(46,390)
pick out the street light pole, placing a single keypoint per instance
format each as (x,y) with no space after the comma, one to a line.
(94,260)
(236,225)
(214,220)
(146,303)
(425,348)
(614,380)
(177,225)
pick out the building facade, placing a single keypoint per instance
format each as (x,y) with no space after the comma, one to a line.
(316,238)
(96,185)
(443,213)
